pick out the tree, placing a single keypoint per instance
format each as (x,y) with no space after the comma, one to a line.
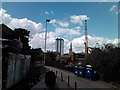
(23,35)
(106,61)
(36,55)
(51,58)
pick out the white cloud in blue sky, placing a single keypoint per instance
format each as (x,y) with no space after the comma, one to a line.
(4,16)
(66,32)
(114,8)
(62,28)
(25,23)
(59,23)
(46,12)
(79,19)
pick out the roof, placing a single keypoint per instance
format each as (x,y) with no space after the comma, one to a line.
(80,59)
(7,33)
(59,39)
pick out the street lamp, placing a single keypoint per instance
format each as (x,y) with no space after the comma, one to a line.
(47,20)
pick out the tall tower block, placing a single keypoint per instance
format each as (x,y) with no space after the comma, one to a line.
(86,40)
(60,46)
(70,50)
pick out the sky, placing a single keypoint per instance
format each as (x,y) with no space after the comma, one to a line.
(67,22)
(60,0)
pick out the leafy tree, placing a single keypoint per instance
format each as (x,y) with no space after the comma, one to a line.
(36,55)
(106,61)
(51,58)
(23,35)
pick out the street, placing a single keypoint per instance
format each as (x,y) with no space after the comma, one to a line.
(81,82)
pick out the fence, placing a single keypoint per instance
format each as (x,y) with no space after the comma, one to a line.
(15,67)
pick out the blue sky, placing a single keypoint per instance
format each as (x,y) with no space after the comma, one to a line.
(102,22)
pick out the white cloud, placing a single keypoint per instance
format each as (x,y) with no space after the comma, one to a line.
(75,31)
(114,8)
(53,21)
(67,32)
(59,23)
(38,40)
(78,18)
(63,24)
(61,31)
(78,43)
(46,12)
(24,23)
(33,27)
(4,16)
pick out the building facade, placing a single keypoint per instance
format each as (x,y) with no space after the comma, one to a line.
(60,46)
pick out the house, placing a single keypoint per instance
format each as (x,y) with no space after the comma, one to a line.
(9,39)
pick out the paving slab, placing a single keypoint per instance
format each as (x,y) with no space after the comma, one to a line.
(60,85)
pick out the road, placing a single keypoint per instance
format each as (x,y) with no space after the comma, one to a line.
(81,82)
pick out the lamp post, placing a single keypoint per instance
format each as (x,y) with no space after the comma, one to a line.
(47,20)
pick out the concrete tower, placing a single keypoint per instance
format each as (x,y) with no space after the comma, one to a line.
(60,46)
(70,50)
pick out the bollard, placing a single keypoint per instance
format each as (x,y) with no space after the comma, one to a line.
(61,76)
(75,85)
(68,80)
(56,73)
(48,69)
(51,69)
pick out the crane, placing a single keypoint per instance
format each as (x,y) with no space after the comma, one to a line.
(86,40)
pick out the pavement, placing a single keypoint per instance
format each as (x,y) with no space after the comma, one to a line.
(60,85)
(76,82)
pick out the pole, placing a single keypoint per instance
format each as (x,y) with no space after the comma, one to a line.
(68,80)
(75,85)
(47,20)
(61,76)
(56,73)
(45,43)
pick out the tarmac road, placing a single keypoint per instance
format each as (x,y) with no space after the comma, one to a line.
(81,82)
